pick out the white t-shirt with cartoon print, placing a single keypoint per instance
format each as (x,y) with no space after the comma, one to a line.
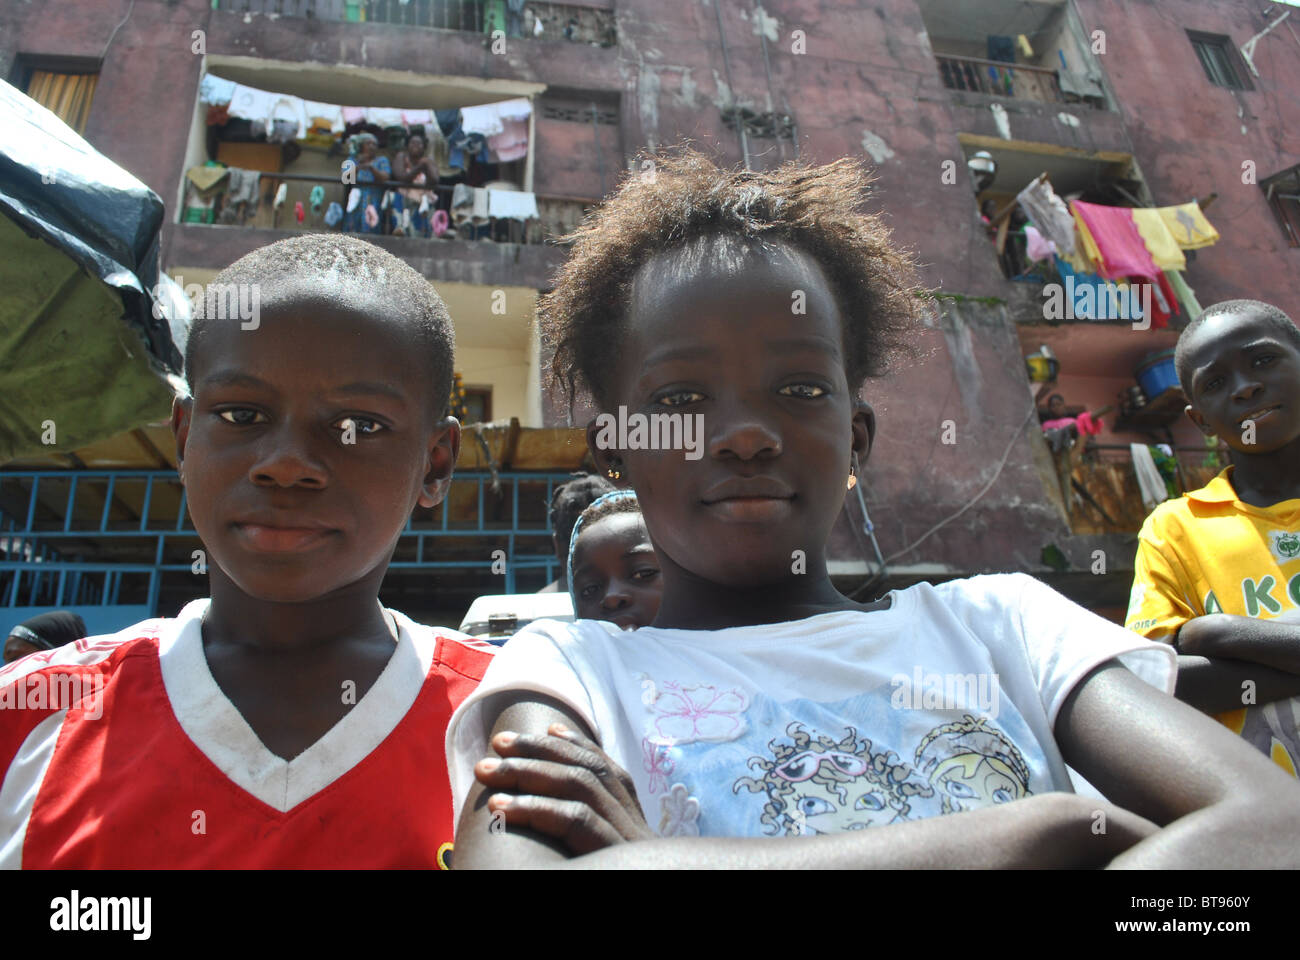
(945,701)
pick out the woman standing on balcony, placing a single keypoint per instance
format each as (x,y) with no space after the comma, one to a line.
(416,167)
(368,166)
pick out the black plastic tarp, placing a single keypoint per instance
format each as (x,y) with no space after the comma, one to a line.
(88,328)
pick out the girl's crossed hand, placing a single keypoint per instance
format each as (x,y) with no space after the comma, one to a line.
(563,786)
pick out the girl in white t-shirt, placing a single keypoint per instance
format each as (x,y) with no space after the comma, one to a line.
(722,322)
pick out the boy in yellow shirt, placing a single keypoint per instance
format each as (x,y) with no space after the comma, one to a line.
(1218,571)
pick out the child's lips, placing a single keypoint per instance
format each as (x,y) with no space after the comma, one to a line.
(751,509)
(268,539)
(1260,414)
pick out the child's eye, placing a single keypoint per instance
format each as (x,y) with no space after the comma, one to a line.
(646,573)
(805,391)
(242,416)
(1265,359)
(589,591)
(679,398)
(360,425)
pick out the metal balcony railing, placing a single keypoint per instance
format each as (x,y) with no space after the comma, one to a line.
(997,78)
(559,21)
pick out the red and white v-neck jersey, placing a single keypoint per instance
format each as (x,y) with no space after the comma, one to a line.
(122,751)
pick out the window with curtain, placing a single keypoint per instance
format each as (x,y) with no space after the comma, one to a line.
(67,95)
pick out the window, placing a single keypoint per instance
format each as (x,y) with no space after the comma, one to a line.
(1283,193)
(63,86)
(1220,60)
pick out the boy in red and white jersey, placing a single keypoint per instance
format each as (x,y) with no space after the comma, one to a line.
(289,720)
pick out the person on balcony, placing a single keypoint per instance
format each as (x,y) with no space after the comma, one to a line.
(365,203)
(413,208)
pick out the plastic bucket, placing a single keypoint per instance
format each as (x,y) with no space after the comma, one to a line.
(1156,373)
(1041,369)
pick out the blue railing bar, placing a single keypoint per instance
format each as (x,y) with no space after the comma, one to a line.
(31,504)
(180,512)
(148,499)
(72,504)
(108,503)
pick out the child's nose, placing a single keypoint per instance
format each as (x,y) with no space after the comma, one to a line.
(745,436)
(288,461)
(616,596)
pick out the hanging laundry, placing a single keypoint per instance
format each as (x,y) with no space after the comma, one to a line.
(448,120)
(1188,225)
(215,90)
(1150,482)
(1186,296)
(1119,248)
(520,108)
(412,117)
(299,213)
(1049,214)
(251,104)
(317,198)
(511,143)
(384,116)
(1089,297)
(512,204)
(485,120)
(1037,246)
(1160,243)
(435,145)
(333,215)
(331,113)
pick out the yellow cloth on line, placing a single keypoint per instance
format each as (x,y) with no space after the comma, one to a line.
(1160,242)
(1188,225)
(1087,245)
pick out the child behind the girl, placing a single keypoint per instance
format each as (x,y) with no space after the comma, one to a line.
(613,571)
(762,703)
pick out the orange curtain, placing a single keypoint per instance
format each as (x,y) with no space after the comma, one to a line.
(67,95)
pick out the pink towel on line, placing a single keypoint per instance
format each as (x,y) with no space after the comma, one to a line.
(1123,251)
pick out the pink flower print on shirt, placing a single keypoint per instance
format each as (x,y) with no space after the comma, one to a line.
(679,813)
(657,763)
(698,712)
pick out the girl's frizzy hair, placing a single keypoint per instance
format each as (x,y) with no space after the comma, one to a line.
(683,196)
(617,501)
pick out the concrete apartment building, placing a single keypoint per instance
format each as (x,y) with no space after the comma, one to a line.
(1125,102)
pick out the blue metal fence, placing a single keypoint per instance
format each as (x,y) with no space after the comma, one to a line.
(56,547)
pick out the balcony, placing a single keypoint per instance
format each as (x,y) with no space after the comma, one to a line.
(547,21)
(1028,51)
(1022,81)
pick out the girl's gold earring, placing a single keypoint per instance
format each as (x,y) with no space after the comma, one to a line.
(614,474)
(853,481)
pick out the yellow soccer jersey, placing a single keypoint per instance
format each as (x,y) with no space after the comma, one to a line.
(1206,553)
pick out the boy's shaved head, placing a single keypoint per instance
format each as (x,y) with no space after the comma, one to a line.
(1241,308)
(347,273)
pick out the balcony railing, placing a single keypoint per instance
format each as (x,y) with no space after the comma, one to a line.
(556,215)
(559,21)
(1000,79)
(1104,492)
